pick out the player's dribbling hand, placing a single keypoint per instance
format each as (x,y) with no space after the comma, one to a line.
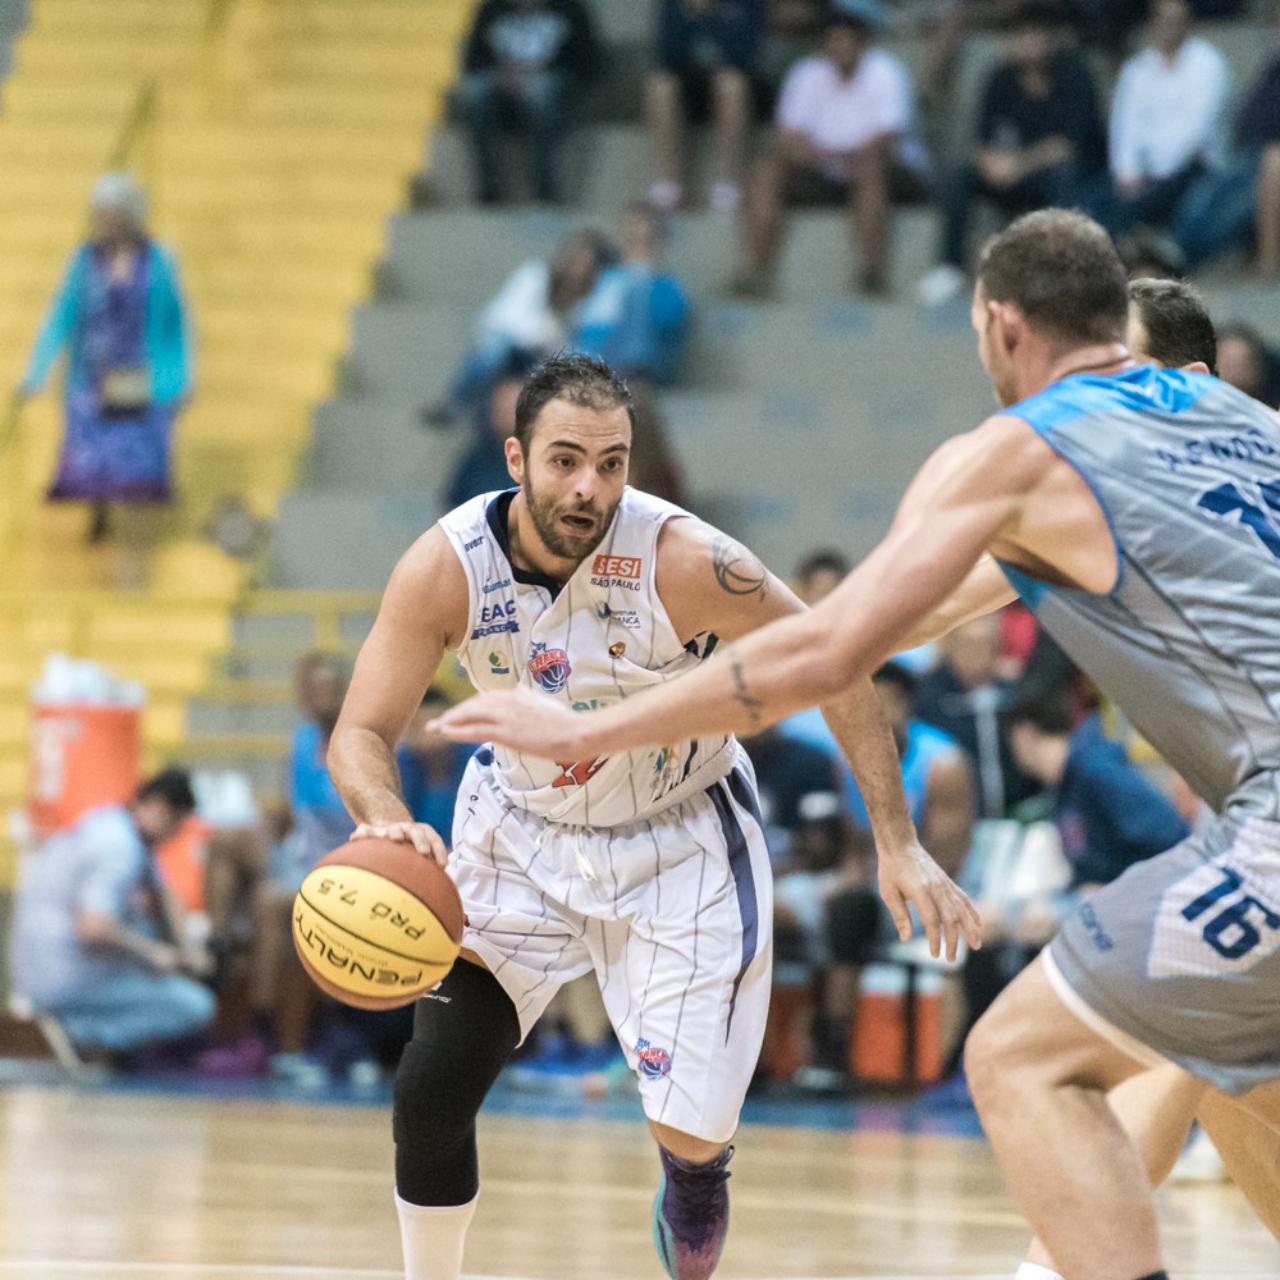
(520,720)
(909,877)
(424,838)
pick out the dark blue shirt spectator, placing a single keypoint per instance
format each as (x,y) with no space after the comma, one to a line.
(635,317)
(1108,814)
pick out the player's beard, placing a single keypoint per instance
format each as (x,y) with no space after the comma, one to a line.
(547,514)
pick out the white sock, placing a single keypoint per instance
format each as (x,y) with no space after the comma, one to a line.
(1030,1271)
(432,1238)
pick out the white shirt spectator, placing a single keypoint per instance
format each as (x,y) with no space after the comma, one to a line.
(521,311)
(839,115)
(1168,114)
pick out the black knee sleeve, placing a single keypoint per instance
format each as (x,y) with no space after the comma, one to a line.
(463,1034)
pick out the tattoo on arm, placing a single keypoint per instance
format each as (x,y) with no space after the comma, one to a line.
(743,697)
(737,571)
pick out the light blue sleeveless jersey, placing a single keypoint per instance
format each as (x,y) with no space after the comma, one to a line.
(1187,471)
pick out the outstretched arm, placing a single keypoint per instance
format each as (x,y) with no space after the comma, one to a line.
(966,497)
(985,590)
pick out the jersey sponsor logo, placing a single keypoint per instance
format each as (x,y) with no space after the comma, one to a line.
(577,773)
(616,571)
(653,1062)
(628,618)
(501,584)
(591,704)
(498,665)
(496,619)
(617,567)
(549,667)
(473,544)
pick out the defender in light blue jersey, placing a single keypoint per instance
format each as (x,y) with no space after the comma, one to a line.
(1138,511)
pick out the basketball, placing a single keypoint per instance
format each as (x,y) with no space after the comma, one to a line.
(376,924)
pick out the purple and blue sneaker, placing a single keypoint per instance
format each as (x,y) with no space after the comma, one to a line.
(691,1215)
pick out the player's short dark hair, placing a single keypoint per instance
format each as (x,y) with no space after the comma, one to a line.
(1179,328)
(900,677)
(1047,712)
(172,787)
(824,560)
(581,380)
(1062,271)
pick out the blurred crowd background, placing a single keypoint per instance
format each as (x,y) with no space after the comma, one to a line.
(273,276)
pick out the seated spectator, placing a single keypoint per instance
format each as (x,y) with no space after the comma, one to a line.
(483,467)
(1109,816)
(527,320)
(844,134)
(1246,362)
(98,942)
(431,767)
(1168,120)
(320,823)
(704,47)
(636,316)
(966,697)
(524,60)
(1225,205)
(1040,141)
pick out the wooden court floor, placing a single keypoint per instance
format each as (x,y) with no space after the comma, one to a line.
(123,1187)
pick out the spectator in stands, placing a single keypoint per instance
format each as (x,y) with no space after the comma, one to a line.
(966,697)
(1246,362)
(1109,816)
(320,823)
(483,467)
(1168,120)
(98,942)
(844,134)
(1224,205)
(120,314)
(636,316)
(1040,140)
(431,767)
(524,61)
(528,319)
(704,47)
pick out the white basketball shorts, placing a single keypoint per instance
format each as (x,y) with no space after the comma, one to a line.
(674,914)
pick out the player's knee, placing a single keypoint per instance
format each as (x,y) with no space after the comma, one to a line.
(988,1060)
(463,1034)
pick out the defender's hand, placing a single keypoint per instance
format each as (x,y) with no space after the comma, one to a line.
(520,720)
(423,838)
(910,877)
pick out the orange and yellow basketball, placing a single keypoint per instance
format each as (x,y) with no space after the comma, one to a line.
(377,924)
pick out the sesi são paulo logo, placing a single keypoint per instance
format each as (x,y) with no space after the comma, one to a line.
(549,667)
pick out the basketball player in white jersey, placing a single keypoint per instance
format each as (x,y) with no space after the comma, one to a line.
(1137,511)
(648,866)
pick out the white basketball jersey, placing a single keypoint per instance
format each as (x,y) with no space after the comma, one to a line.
(592,641)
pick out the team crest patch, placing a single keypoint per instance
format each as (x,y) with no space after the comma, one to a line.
(654,1063)
(549,667)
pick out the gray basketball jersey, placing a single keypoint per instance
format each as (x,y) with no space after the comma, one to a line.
(1187,643)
